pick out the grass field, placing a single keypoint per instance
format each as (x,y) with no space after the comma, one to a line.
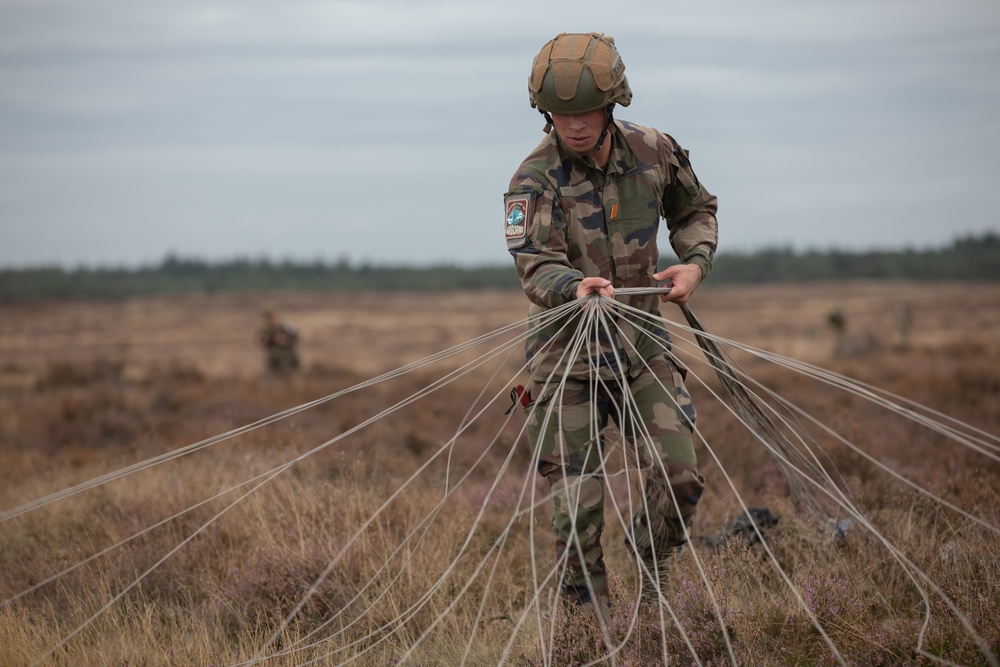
(88,388)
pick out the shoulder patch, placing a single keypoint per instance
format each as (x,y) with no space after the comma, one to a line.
(517,212)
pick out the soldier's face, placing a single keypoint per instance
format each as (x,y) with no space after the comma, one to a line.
(580,133)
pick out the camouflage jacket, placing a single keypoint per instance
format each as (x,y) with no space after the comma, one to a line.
(280,336)
(566,219)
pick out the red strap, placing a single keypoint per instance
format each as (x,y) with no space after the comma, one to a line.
(519,395)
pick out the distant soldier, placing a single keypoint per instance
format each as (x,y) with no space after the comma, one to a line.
(280,342)
(905,321)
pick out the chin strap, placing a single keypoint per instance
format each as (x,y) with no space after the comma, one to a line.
(610,119)
(548,121)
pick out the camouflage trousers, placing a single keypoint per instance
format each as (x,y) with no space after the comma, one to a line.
(281,361)
(565,426)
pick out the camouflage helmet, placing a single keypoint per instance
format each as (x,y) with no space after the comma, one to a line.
(576,73)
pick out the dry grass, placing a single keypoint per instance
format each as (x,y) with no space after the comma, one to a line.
(87,388)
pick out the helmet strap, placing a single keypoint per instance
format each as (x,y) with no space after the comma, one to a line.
(548,121)
(609,120)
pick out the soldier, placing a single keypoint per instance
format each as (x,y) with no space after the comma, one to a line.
(280,342)
(581,217)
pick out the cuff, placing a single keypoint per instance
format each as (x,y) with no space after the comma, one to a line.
(703,263)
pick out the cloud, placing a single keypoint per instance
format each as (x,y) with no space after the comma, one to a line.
(388,130)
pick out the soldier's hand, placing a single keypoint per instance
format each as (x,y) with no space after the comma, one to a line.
(595,285)
(684,279)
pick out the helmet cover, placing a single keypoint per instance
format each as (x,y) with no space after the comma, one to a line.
(576,73)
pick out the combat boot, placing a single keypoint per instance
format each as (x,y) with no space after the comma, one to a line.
(653,561)
(598,610)
(653,580)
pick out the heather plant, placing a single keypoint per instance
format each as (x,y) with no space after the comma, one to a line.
(422,582)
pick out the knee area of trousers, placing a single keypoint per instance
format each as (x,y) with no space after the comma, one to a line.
(576,490)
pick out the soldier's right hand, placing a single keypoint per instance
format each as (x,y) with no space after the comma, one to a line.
(595,285)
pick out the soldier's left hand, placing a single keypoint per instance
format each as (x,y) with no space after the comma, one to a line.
(684,278)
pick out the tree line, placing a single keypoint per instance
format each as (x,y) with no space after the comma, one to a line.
(974,257)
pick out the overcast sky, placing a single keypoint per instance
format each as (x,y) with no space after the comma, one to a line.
(386,131)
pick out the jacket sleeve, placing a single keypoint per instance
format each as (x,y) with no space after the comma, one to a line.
(689,210)
(547,276)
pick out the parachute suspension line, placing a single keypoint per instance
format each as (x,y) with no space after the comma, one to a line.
(146,573)
(748,410)
(816,476)
(978,440)
(576,348)
(637,438)
(771,419)
(567,359)
(975,439)
(791,467)
(753,416)
(717,610)
(763,429)
(265,477)
(847,385)
(556,313)
(208,442)
(322,577)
